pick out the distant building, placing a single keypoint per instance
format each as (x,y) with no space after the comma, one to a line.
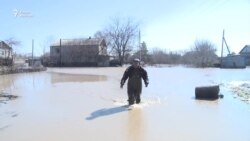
(245,52)
(233,61)
(79,52)
(34,62)
(6,57)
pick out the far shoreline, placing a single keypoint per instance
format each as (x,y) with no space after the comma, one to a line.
(14,70)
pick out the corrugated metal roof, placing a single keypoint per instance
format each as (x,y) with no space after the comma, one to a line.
(81,41)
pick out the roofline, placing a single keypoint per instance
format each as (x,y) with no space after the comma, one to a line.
(244,48)
(6,45)
(101,40)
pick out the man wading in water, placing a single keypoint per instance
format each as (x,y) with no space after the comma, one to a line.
(135,73)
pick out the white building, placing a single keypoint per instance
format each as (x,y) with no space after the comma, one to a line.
(6,56)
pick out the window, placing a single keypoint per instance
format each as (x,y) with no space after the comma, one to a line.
(57,50)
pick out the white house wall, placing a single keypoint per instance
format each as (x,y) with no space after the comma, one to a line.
(4,53)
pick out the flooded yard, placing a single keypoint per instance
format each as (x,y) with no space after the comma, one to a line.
(88,104)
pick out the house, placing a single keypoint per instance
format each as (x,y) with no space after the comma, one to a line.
(6,57)
(245,52)
(79,52)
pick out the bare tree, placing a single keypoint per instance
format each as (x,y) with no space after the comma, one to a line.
(120,36)
(45,45)
(12,42)
(158,56)
(202,54)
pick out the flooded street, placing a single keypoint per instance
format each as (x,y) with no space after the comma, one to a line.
(87,104)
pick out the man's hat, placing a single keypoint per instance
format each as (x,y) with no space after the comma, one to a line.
(136,60)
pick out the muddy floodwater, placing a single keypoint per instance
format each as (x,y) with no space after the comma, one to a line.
(79,104)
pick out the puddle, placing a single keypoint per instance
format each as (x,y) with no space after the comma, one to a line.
(64,78)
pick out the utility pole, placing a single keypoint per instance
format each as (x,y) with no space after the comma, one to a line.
(224,41)
(226,45)
(222,47)
(140,43)
(32,61)
(60,52)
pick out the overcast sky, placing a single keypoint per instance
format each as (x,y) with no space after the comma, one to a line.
(167,24)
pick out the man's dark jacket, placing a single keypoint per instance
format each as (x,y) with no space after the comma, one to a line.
(135,75)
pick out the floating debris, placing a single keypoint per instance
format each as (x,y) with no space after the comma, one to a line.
(241,89)
(6,97)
